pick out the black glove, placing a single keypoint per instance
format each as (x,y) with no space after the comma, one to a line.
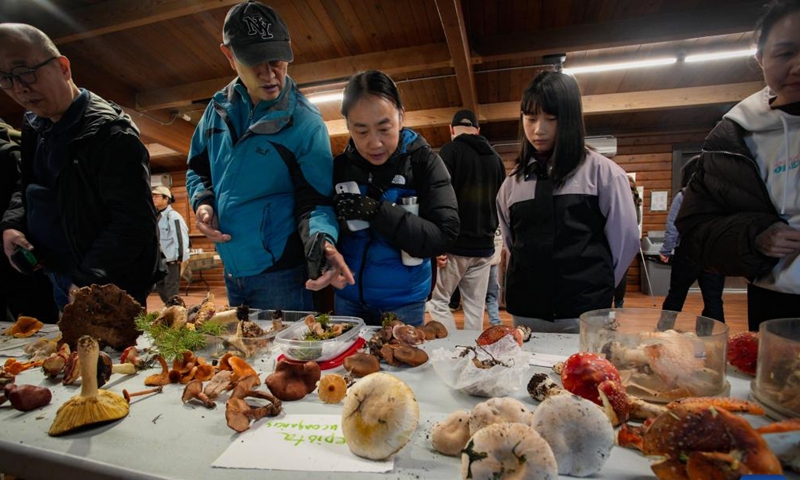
(352,206)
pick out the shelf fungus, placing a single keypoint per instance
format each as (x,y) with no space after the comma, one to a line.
(93,405)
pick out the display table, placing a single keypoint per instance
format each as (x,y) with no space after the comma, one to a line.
(198,263)
(164,439)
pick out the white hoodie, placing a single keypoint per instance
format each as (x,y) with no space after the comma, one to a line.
(773,136)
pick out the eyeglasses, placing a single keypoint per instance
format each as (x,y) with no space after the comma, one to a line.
(24,75)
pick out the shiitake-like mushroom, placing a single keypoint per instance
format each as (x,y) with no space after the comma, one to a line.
(293,381)
(362,364)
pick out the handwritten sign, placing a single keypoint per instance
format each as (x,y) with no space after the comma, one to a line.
(297,442)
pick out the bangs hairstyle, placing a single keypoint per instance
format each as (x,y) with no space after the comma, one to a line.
(556,94)
(371,82)
(773,13)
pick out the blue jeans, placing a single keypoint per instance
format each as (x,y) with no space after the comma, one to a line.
(492,291)
(61,283)
(410,314)
(281,290)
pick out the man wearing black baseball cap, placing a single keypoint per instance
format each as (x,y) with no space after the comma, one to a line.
(476,171)
(261,171)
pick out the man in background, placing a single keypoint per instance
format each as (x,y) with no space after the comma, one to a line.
(83,206)
(477,172)
(174,239)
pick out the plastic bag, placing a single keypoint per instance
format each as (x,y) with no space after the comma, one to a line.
(460,373)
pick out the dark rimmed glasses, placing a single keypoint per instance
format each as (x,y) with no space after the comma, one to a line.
(24,75)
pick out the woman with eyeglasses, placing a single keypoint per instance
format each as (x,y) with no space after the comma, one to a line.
(386,172)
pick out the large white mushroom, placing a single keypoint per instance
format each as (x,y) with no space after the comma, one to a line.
(379,416)
(451,435)
(578,431)
(509,451)
(498,410)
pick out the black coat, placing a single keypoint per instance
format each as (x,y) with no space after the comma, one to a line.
(725,206)
(103,193)
(477,172)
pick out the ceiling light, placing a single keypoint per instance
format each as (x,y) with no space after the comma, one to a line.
(720,55)
(326,97)
(621,66)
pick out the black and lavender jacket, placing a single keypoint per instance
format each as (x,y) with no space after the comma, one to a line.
(570,246)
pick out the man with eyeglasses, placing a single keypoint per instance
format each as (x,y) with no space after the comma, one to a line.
(83,206)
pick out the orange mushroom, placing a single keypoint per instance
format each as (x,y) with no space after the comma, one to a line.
(24,327)
(241,369)
(158,378)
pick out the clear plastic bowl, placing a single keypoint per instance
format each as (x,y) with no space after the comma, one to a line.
(295,348)
(250,347)
(661,355)
(777,382)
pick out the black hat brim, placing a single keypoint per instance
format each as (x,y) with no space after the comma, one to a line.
(258,53)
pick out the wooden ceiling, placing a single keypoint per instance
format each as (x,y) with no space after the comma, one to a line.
(160,59)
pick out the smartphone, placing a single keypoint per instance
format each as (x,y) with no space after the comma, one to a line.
(25,261)
(352,187)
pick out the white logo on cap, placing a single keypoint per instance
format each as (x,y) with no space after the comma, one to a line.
(258,26)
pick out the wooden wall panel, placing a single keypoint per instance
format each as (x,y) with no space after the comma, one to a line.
(650,157)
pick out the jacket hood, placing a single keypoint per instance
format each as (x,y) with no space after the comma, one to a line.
(478,143)
(754,113)
(272,115)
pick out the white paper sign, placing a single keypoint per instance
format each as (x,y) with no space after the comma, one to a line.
(297,442)
(658,201)
(545,359)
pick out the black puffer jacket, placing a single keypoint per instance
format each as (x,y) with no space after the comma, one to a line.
(725,206)
(104,196)
(477,172)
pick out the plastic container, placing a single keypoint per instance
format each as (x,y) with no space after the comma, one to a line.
(291,343)
(410,204)
(250,346)
(777,382)
(661,355)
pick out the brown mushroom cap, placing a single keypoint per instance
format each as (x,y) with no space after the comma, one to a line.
(293,381)
(362,364)
(411,356)
(434,330)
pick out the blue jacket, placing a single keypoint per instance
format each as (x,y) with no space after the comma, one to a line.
(373,254)
(266,170)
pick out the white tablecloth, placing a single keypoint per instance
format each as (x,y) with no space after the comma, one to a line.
(164,439)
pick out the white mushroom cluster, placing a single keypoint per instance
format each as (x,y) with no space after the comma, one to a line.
(502,438)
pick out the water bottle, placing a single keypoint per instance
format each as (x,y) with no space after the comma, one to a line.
(410,205)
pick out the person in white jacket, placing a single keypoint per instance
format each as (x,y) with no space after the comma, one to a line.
(174,239)
(741,211)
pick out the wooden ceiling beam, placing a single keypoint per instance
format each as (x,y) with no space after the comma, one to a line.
(592,105)
(108,17)
(393,62)
(728,18)
(455,31)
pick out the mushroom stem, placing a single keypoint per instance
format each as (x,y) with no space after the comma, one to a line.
(129,395)
(88,351)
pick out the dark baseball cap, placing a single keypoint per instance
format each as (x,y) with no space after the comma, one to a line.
(465,118)
(256,34)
